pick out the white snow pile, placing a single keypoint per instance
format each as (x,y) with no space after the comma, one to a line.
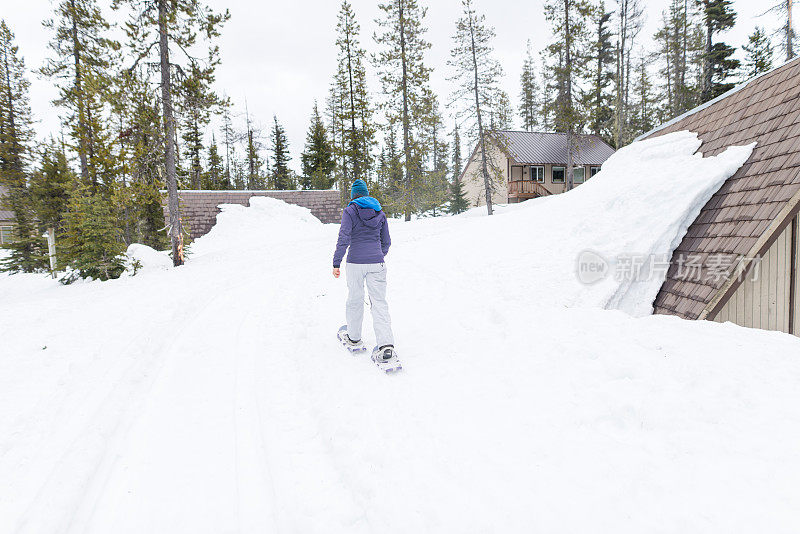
(638,208)
(214,397)
(141,258)
(266,220)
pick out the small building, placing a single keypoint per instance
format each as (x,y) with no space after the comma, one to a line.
(531,164)
(6,219)
(745,243)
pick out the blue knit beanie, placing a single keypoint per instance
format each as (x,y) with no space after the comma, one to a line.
(359,189)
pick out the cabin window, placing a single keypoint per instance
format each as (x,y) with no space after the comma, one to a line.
(5,234)
(578,174)
(593,171)
(536,173)
(558,175)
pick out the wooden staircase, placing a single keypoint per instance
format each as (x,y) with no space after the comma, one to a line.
(524,189)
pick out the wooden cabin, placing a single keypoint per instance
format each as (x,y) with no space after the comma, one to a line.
(531,164)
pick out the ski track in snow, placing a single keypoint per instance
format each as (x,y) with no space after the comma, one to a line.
(215,398)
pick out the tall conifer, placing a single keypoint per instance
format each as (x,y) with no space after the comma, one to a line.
(25,250)
(405,83)
(317,158)
(280,176)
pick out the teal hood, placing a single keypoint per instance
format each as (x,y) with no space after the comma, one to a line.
(367,202)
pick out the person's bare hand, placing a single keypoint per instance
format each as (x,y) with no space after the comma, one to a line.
(336,272)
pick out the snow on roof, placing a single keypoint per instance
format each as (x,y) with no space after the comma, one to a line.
(551,147)
(744,216)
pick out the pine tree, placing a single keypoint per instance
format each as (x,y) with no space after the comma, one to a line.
(718,63)
(254,180)
(501,115)
(759,53)
(239,174)
(317,158)
(80,69)
(549,91)
(477,75)
(437,186)
(198,102)
(92,244)
(390,177)
(643,116)
(353,110)
(141,152)
(404,80)
(458,197)
(630,19)
(229,139)
(529,93)
(215,176)
(50,185)
(783,8)
(49,190)
(281,177)
(155,24)
(568,20)
(680,51)
(597,100)
(25,251)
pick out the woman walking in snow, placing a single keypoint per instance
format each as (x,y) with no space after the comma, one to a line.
(365,231)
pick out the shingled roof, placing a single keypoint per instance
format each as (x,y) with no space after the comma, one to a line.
(753,206)
(546,147)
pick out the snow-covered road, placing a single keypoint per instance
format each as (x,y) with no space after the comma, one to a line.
(215,398)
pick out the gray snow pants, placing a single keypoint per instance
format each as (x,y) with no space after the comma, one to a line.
(374,274)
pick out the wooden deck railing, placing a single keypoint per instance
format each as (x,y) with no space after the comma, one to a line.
(527,188)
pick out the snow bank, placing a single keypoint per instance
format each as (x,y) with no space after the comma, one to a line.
(637,209)
(141,258)
(266,222)
(214,397)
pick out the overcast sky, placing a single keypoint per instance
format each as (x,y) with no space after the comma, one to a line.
(280,54)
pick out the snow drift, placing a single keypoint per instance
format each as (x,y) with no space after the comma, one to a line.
(215,398)
(639,206)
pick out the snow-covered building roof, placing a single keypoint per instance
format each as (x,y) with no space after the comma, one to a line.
(752,216)
(549,147)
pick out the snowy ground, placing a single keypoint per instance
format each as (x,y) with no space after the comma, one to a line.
(214,398)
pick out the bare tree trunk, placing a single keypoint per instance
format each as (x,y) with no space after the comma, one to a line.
(196,169)
(487,183)
(598,81)
(79,97)
(707,74)
(251,164)
(789,30)
(175,227)
(406,125)
(682,67)
(354,144)
(671,99)
(621,53)
(568,94)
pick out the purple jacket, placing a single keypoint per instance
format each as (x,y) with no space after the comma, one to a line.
(366,232)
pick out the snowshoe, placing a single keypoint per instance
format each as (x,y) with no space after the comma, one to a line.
(386,359)
(355,347)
